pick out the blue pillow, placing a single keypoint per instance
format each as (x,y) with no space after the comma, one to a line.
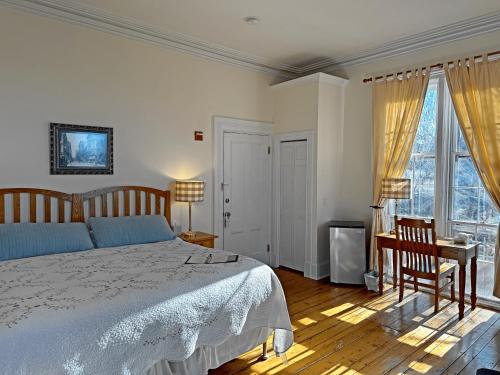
(129,230)
(33,239)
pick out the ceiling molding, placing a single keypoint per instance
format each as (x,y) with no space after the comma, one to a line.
(315,77)
(431,38)
(97,19)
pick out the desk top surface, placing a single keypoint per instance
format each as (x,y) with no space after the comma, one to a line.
(440,242)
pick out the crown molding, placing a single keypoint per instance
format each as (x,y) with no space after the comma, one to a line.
(103,21)
(432,38)
(70,11)
(315,77)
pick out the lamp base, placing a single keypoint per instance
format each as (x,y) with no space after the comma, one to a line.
(190,234)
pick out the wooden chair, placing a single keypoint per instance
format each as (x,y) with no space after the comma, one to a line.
(418,258)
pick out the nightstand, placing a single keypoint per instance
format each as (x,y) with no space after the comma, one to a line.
(200,238)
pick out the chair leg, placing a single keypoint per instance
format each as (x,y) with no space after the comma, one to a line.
(436,296)
(452,286)
(401,285)
(415,285)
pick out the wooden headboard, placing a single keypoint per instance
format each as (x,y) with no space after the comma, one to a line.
(38,205)
(119,201)
(26,205)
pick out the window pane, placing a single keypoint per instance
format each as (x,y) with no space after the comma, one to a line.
(461,146)
(465,172)
(487,211)
(465,204)
(425,139)
(421,167)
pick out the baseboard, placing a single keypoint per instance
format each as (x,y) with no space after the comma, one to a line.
(317,271)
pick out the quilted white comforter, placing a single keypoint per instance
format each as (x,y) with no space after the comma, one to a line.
(120,310)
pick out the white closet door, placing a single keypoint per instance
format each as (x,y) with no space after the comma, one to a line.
(293,173)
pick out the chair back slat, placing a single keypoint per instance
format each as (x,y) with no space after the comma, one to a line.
(417,244)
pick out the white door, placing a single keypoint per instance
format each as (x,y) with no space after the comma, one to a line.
(247,195)
(293,205)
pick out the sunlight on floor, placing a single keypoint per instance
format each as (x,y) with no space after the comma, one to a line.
(442,345)
(307,321)
(357,315)
(416,336)
(420,367)
(337,309)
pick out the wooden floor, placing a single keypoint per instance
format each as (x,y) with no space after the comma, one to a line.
(345,330)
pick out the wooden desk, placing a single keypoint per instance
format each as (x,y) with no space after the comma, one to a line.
(446,249)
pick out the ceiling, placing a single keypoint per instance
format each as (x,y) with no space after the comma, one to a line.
(293,35)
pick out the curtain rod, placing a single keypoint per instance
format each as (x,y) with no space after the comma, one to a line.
(437,65)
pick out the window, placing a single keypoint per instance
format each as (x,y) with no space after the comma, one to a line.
(446,185)
(471,209)
(422,165)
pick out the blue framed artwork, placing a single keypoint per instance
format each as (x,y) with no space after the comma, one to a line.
(80,149)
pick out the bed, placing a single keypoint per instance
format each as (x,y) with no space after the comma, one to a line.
(134,309)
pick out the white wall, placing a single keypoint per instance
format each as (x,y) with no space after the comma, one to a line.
(153,97)
(356,189)
(316,102)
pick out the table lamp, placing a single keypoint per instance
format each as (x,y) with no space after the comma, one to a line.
(396,188)
(189,191)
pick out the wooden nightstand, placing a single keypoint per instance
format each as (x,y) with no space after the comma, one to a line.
(200,238)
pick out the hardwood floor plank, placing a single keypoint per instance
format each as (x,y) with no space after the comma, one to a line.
(468,356)
(454,342)
(343,330)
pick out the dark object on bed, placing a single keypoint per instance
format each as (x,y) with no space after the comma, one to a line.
(485,371)
(80,149)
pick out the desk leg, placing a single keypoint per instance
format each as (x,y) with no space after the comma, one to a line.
(380,270)
(394,269)
(461,291)
(473,278)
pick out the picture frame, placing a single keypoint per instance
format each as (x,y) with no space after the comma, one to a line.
(80,149)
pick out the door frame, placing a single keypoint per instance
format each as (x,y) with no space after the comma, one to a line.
(311,240)
(223,125)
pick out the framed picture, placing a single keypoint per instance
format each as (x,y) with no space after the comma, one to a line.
(80,149)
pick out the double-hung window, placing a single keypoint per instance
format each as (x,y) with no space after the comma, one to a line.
(446,184)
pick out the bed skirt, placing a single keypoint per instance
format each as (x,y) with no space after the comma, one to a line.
(208,357)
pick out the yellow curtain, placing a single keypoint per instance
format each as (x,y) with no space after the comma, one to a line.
(475,92)
(397,106)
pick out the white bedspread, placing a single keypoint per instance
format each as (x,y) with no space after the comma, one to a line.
(120,310)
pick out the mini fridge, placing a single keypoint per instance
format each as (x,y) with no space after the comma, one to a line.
(347,252)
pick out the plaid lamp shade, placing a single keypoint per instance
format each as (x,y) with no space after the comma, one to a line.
(189,191)
(396,188)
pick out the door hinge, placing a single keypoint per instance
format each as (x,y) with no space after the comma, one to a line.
(269,150)
(268,248)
